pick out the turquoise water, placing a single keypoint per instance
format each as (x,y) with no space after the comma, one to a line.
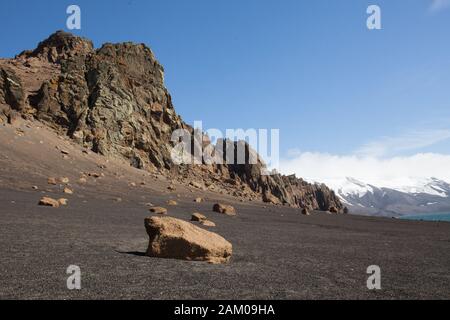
(429,217)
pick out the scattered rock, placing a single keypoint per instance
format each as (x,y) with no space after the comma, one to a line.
(64,180)
(207,223)
(68,191)
(52,181)
(172,203)
(225,209)
(82,180)
(63,202)
(305,212)
(198,217)
(177,239)
(49,202)
(198,200)
(171,188)
(64,151)
(132,184)
(35,188)
(333,210)
(94,174)
(158,210)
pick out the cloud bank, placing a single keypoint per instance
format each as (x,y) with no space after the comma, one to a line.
(391,172)
(376,162)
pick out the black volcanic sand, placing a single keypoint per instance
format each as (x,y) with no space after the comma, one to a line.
(277,252)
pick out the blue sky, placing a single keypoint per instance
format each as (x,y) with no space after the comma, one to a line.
(310,68)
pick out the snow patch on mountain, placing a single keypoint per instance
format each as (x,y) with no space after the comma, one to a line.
(411,195)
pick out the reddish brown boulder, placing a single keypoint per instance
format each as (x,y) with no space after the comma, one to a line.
(177,239)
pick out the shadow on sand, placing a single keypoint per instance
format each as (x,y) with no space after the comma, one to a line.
(134,253)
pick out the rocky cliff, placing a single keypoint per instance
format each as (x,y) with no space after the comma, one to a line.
(113,101)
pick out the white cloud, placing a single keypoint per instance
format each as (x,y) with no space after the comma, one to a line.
(388,146)
(439,5)
(377,162)
(392,172)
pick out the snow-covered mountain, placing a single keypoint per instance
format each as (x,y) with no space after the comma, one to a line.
(416,196)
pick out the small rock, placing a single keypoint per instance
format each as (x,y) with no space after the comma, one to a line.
(198,200)
(68,191)
(64,151)
(333,210)
(172,203)
(225,209)
(198,217)
(64,180)
(52,181)
(82,180)
(158,210)
(305,212)
(63,202)
(94,174)
(171,188)
(208,223)
(35,187)
(49,202)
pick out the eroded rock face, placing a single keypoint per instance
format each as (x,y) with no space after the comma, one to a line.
(177,239)
(113,101)
(12,96)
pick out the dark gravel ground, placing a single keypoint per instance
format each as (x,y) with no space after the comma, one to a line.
(278,253)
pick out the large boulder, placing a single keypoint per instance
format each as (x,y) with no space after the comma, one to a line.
(177,239)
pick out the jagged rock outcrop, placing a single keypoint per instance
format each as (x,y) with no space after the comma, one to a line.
(113,101)
(12,95)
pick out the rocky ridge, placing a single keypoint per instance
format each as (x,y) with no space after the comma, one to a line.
(113,101)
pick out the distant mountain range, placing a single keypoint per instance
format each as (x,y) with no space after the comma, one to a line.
(421,196)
